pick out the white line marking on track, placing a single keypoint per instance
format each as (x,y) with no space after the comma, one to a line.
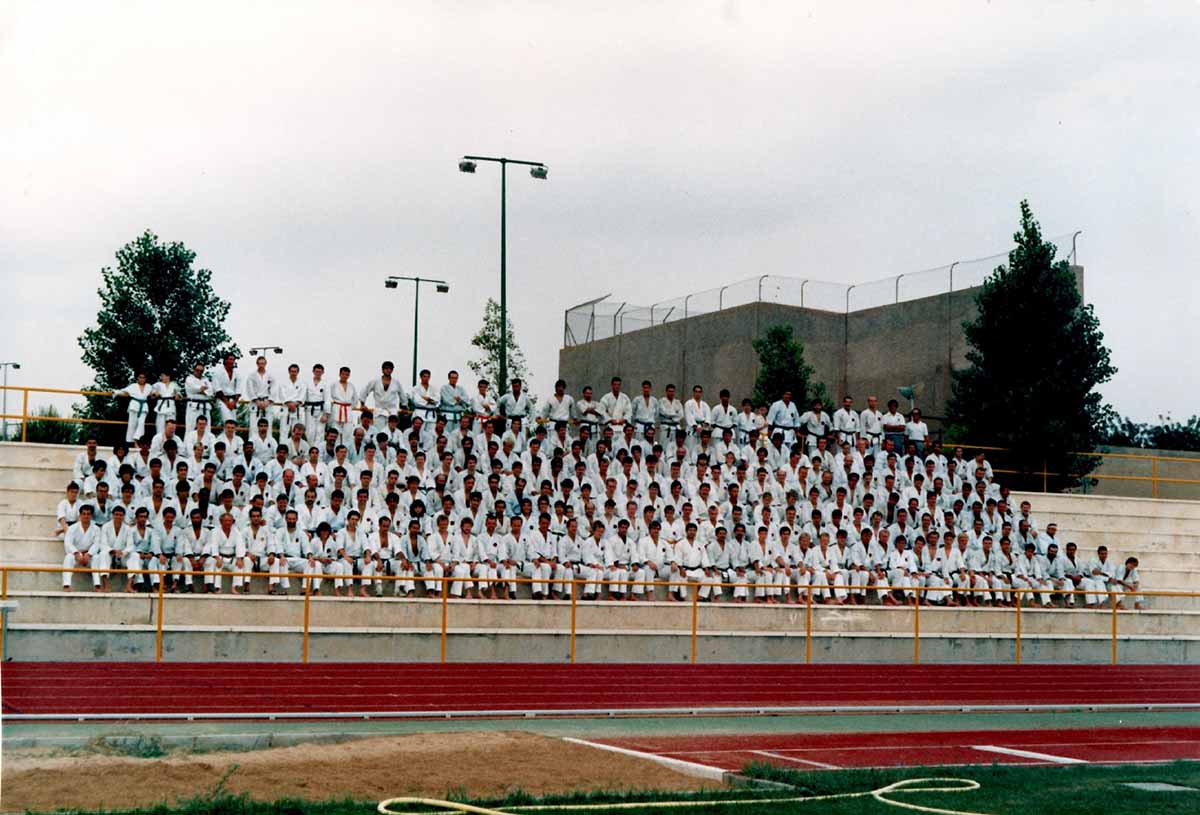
(1009,751)
(679,765)
(781,757)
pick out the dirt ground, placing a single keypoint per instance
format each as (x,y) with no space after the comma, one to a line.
(478,764)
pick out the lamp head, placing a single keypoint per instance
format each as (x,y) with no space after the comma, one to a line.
(540,172)
(278,350)
(390,284)
(443,288)
(465,166)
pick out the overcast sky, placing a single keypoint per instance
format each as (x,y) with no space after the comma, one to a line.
(306,150)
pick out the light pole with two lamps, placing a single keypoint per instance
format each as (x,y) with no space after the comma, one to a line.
(539,171)
(393,282)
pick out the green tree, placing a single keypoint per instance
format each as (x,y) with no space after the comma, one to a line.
(1168,434)
(49,432)
(782,367)
(157,313)
(1036,355)
(486,341)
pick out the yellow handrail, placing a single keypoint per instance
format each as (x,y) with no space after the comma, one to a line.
(1113,597)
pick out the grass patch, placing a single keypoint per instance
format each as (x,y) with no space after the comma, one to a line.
(1070,790)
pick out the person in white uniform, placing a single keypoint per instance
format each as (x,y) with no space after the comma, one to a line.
(846,422)
(199,393)
(260,393)
(1097,574)
(1127,579)
(386,395)
(139,407)
(343,398)
(225,551)
(317,406)
(616,405)
(77,545)
(165,394)
(785,416)
(227,388)
(870,425)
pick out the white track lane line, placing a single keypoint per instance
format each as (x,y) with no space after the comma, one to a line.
(781,757)
(679,765)
(1009,751)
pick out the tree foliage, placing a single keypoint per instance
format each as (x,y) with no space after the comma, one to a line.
(1036,355)
(782,367)
(486,363)
(48,432)
(157,313)
(1168,434)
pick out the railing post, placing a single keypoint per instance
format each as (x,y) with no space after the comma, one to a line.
(808,625)
(307,592)
(1114,629)
(1018,626)
(24,412)
(162,582)
(1154,476)
(4,584)
(1045,476)
(574,595)
(917,629)
(695,614)
(445,597)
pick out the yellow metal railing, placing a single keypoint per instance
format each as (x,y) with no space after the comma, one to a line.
(1113,599)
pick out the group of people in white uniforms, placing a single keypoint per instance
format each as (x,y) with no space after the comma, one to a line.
(896,520)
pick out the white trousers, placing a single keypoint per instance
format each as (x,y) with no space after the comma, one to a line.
(1095,588)
(616,578)
(223,563)
(436,571)
(821,584)
(344,570)
(1040,589)
(134,560)
(136,426)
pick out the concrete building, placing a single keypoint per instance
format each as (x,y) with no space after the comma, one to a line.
(860,352)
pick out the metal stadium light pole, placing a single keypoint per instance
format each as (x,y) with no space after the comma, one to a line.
(442,287)
(16,366)
(539,171)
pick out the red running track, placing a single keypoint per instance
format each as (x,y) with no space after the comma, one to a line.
(247,688)
(824,751)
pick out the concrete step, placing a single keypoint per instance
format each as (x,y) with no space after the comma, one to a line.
(265,644)
(1064,504)
(18,524)
(1135,543)
(25,499)
(36,476)
(20,454)
(119,609)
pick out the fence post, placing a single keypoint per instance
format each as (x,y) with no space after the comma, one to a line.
(808,625)
(162,581)
(1112,600)
(307,592)
(4,584)
(24,412)
(1154,477)
(445,597)
(917,629)
(1045,476)
(1018,626)
(695,613)
(574,594)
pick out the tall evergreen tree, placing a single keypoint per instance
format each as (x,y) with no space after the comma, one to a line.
(1036,355)
(782,367)
(157,313)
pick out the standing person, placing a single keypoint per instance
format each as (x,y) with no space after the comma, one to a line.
(724,416)
(916,432)
(453,400)
(616,406)
(483,406)
(749,424)
(199,392)
(670,415)
(870,425)
(894,425)
(139,407)
(387,395)
(514,404)
(784,415)
(697,415)
(815,424)
(645,410)
(165,395)
(316,406)
(425,400)
(559,406)
(846,423)
(291,401)
(343,397)
(227,388)
(260,391)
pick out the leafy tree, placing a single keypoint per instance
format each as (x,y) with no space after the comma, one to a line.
(1168,434)
(782,367)
(486,365)
(1036,355)
(157,313)
(49,432)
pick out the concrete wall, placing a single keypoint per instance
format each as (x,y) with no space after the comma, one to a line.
(872,351)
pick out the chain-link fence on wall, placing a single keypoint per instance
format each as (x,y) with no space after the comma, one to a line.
(602,318)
